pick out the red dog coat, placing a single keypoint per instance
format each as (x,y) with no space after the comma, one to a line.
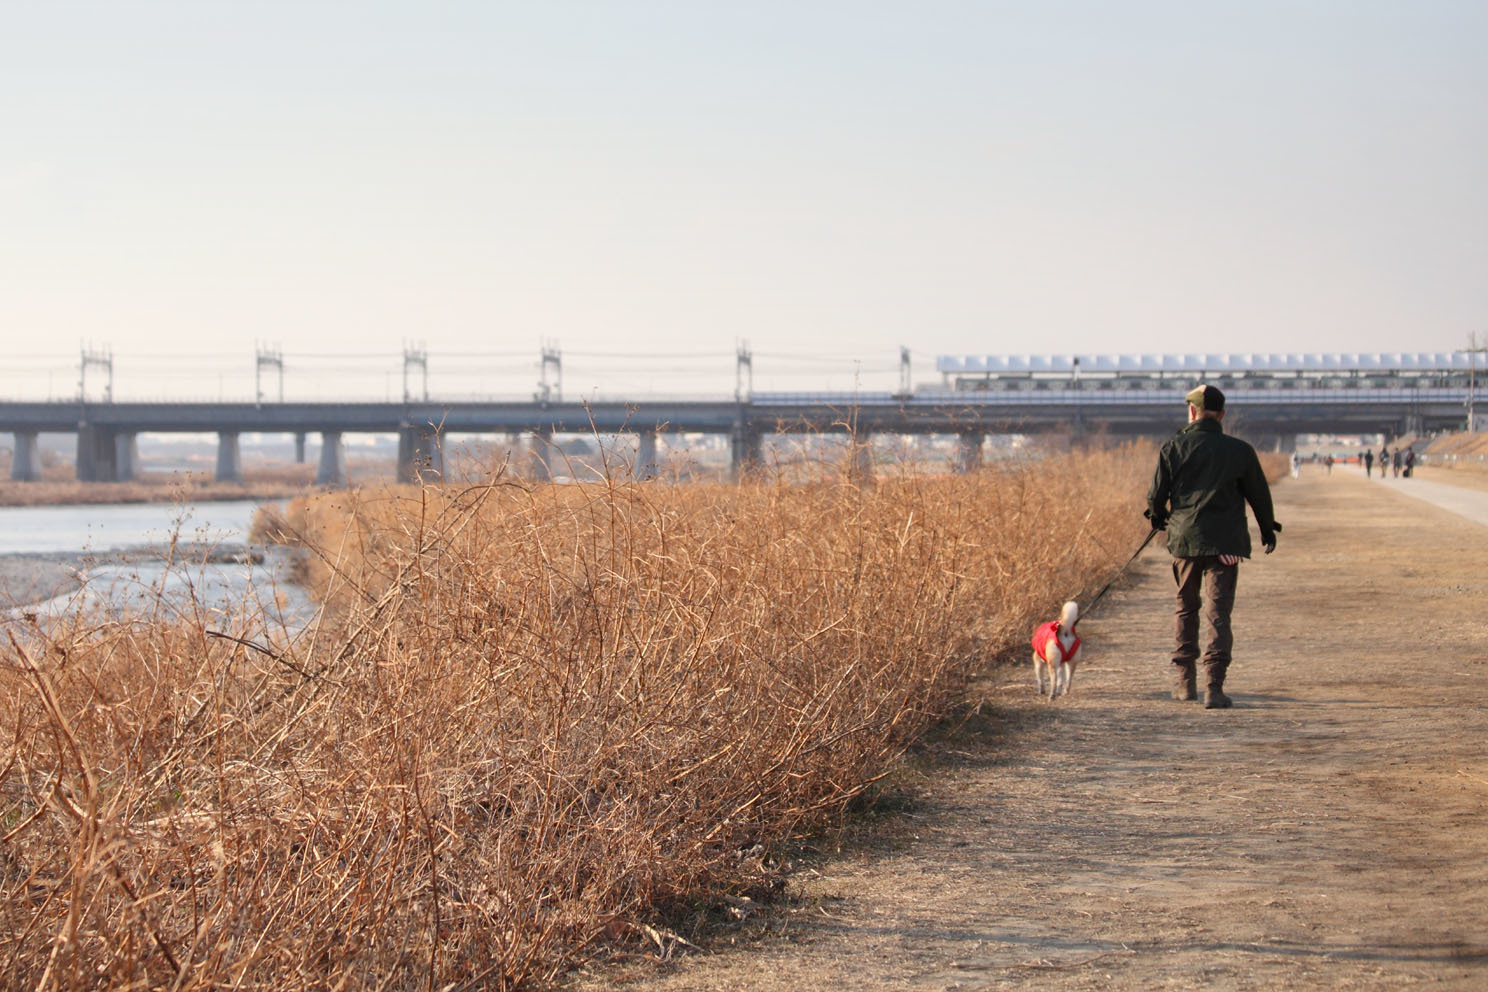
(1050,632)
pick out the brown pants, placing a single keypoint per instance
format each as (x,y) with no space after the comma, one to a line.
(1216,583)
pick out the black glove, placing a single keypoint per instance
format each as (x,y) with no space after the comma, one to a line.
(1158,518)
(1268,541)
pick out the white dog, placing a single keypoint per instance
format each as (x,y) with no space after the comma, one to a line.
(1056,647)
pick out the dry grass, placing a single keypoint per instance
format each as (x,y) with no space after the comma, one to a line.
(536,721)
(1458,451)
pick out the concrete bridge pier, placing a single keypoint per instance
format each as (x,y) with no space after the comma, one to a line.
(645,461)
(420,453)
(540,456)
(229,457)
(969,452)
(299,447)
(745,457)
(126,456)
(97,454)
(332,471)
(25,458)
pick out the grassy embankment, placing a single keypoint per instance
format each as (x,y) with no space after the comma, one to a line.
(1457,451)
(537,720)
(59,485)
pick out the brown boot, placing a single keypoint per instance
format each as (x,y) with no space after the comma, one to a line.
(1214,697)
(1185,683)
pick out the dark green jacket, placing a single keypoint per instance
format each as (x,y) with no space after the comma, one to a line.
(1203,480)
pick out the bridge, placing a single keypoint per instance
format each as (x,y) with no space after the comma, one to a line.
(1272,398)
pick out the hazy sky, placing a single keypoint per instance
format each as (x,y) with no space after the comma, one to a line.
(648,183)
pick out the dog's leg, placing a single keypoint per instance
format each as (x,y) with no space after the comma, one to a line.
(1069,677)
(1038,673)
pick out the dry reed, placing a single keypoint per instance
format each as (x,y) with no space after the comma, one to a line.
(533,721)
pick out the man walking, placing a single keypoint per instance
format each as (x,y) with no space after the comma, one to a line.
(1198,494)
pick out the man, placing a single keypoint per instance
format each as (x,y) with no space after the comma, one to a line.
(1203,480)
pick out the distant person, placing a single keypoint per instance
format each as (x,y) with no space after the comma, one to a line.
(1203,481)
(1384,460)
(1410,461)
(1296,465)
(1395,461)
(1328,463)
(1368,462)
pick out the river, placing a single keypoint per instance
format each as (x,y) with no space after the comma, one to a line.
(121,549)
(94,528)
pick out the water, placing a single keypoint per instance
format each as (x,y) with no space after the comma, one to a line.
(96,528)
(218,594)
(120,547)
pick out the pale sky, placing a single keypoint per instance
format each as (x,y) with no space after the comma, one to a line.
(648,183)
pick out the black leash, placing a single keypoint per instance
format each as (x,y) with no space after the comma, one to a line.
(1140,548)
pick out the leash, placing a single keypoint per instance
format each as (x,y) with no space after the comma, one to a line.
(1140,548)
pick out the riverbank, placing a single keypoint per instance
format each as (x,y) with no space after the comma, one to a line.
(27,579)
(175,488)
(540,720)
(35,578)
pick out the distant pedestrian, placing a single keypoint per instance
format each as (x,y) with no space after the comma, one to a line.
(1395,462)
(1328,463)
(1203,481)
(1368,462)
(1296,465)
(1410,461)
(1384,460)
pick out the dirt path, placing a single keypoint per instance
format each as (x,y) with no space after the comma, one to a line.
(1330,831)
(1465,493)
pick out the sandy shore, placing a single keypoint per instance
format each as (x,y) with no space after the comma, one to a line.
(26,579)
(35,578)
